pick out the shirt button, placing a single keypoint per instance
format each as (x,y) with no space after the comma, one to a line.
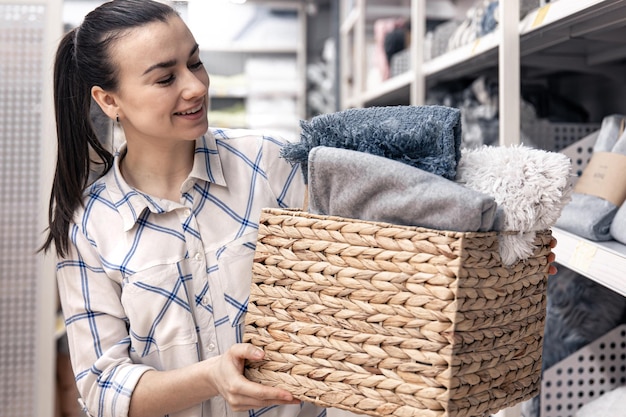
(187,213)
(205,301)
(211,347)
(198,256)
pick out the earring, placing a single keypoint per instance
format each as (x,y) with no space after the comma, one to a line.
(117,118)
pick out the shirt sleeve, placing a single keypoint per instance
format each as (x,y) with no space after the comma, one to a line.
(97,330)
(285,179)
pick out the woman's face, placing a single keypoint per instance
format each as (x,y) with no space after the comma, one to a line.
(163,85)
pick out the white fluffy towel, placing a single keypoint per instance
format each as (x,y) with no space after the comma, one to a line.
(530,186)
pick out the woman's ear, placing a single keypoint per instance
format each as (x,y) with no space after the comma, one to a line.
(106,101)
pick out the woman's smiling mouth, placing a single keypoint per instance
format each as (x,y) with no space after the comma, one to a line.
(190,111)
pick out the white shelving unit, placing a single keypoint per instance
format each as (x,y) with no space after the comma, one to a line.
(603,262)
(270,99)
(588,36)
(544,38)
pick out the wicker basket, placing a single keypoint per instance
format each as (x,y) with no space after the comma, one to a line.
(391,320)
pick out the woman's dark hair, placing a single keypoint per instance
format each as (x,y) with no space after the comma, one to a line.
(83,60)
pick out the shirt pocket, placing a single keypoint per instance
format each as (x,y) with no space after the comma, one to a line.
(235,267)
(157,306)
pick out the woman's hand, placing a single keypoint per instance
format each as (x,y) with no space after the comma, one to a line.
(226,375)
(551,258)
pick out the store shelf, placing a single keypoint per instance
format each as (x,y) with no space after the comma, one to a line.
(603,262)
(391,91)
(562,21)
(548,26)
(256,53)
(560,35)
(566,13)
(242,48)
(564,44)
(478,55)
(220,92)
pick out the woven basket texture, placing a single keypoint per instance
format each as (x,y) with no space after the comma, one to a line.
(389,320)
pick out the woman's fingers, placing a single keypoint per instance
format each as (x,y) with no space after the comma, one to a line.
(552,270)
(241,393)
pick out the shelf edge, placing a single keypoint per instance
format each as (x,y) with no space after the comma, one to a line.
(602,262)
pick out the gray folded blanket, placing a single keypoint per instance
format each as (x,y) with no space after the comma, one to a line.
(618,225)
(359,185)
(587,215)
(426,137)
(530,186)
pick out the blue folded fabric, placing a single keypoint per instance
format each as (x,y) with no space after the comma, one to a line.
(587,215)
(358,185)
(426,137)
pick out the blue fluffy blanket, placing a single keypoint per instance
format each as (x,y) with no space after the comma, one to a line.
(426,137)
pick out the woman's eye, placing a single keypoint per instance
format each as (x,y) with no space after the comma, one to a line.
(196,66)
(166,81)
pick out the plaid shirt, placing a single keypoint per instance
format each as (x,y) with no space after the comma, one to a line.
(156,284)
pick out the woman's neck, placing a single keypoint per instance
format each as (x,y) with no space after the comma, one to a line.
(158,171)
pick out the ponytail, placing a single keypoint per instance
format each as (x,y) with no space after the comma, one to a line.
(75,136)
(83,60)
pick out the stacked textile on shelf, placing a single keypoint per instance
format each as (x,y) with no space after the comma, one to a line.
(592,212)
(618,225)
(480,19)
(420,177)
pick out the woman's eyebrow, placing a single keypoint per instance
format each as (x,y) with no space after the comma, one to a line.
(171,62)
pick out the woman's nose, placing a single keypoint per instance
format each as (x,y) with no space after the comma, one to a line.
(196,84)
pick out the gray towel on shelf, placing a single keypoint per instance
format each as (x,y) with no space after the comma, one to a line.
(618,225)
(587,215)
(530,186)
(426,137)
(359,185)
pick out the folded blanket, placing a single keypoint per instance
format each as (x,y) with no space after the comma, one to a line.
(530,186)
(358,185)
(426,137)
(618,225)
(587,215)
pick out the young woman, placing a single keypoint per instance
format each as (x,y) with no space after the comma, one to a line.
(155,256)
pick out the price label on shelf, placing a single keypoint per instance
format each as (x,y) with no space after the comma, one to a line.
(541,15)
(583,255)
(475,47)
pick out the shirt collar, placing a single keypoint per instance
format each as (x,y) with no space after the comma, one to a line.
(207,165)
(131,203)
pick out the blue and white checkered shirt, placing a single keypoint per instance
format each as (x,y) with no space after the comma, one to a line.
(155,284)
